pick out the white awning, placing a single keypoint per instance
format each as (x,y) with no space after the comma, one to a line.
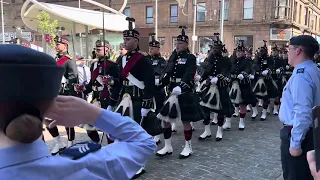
(67,15)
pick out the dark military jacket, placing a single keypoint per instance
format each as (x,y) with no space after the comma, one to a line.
(158,64)
(260,63)
(106,68)
(181,66)
(217,66)
(142,71)
(71,72)
(275,62)
(241,66)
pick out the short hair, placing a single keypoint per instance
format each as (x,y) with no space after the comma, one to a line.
(309,45)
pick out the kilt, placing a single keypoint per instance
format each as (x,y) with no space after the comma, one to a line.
(190,107)
(247,95)
(160,97)
(226,108)
(272,88)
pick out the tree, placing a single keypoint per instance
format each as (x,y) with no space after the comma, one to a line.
(47,27)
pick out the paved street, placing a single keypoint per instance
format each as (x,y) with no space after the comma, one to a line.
(252,154)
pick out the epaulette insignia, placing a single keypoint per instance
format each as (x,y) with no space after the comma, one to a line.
(143,53)
(80,150)
(301,70)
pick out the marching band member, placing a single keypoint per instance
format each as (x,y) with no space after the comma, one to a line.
(262,87)
(69,78)
(216,99)
(138,80)
(104,83)
(183,104)
(241,93)
(276,70)
(159,65)
(288,68)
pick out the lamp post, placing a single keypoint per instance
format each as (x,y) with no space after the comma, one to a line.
(222,20)
(182,4)
(2,20)
(156,21)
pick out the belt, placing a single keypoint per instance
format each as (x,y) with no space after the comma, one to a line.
(97,88)
(176,80)
(127,83)
(288,127)
(234,76)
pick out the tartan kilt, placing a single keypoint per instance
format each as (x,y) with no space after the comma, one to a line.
(190,107)
(226,104)
(160,97)
(272,88)
(247,95)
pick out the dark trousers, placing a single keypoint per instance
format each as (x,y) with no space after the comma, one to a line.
(295,168)
(54,132)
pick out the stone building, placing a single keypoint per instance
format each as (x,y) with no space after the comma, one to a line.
(250,20)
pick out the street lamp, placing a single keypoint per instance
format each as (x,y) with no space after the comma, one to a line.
(2,20)
(182,4)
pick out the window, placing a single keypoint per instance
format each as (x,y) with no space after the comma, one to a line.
(248,40)
(226,10)
(305,16)
(295,11)
(127,11)
(201,12)
(174,13)
(282,10)
(174,41)
(309,19)
(149,15)
(247,9)
(300,9)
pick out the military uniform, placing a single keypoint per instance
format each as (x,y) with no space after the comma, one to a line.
(276,69)
(183,103)
(263,88)
(216,99)
(241,91)
(107,95)
(138,82)
(70,77)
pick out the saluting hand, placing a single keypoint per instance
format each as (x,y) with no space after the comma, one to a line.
(71,111)
(295,152)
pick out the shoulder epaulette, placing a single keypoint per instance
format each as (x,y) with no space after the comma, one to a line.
(69,56)
(301,70)
(143,53)
(80,150)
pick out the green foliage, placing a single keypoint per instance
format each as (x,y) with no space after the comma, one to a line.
(47,27)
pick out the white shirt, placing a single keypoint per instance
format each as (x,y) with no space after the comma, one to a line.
(84,70)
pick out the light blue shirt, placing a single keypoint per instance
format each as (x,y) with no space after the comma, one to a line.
(118,161)
(300,95)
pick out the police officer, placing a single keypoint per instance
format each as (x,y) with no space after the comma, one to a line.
(104,82)
(216,74)
(138,79)
(299,96)
(182,104)
(22,109)
(69,78)
(158,64)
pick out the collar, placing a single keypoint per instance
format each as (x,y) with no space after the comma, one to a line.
(132,52)
(302,65)
(156,56)
(183,52)
(23,153)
